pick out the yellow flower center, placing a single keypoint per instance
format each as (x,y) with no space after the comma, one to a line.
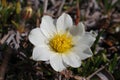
(61,43)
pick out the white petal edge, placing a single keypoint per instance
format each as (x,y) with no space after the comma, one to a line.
(47,26)
(41,53)
(83,51)
(87,39)
(36,37)
(57,63)
(64,22)
(71,59)
(78,30)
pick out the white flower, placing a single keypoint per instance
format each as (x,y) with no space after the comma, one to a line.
(61,43)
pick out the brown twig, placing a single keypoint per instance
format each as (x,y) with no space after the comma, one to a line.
(88,78)
(54,9)
(5,37)
(77,13)
(71,1)
(53,2)
(60,8)
(45,6)
(70,9)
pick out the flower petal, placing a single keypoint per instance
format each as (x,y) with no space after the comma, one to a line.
(56,62)
(41,53)
(87,39)
(64,22)
(36,37)
(78,30)
(71,59)
(83,51)
(47,26)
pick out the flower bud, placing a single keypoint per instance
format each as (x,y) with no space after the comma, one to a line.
(27,12)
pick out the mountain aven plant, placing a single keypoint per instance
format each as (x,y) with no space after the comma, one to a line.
(60,42)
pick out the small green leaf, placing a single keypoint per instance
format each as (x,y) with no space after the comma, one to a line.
(14,23)
(96,41)
(113,64)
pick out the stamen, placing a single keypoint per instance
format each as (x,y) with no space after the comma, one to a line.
(61,43)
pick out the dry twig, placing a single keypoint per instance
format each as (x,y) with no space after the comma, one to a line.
(60,8)
(45,6)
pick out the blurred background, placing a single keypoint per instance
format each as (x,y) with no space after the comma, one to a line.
(19,17)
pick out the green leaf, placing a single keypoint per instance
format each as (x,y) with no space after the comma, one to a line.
(104,57)
(96,41)
(18,7)
(113,63)
(16,24)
